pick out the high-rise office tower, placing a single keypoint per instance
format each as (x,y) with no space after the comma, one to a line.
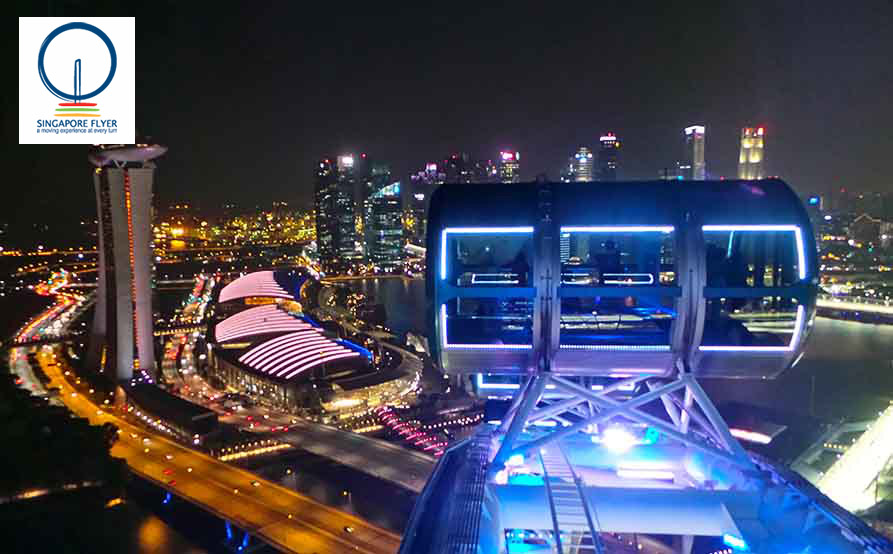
(693,163)
(607,157)
(336,234)
(121,340)
(383,218)
(750,160)
(509,166)
(582,164)
(384,228)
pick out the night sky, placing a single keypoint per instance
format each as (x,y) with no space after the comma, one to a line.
(247,97)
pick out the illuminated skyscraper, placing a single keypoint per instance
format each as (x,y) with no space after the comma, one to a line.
(336,234)
(382,218)
(509,166)
(750,160)
(582,164)
(607,157)
(384,228)
(693,160)
(121,339)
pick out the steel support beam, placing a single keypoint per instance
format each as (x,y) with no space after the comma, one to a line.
(659,424)
(710,411)
(606,415)
(531,397)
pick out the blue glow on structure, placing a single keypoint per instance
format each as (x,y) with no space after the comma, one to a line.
(526,479)
(620,229)
(309,320)
(446,344)
(473,231)
(735,543)
(355,347)
(167,498)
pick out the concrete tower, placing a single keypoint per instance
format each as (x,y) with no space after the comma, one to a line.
(121,339)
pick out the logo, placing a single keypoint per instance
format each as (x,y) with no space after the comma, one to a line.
(95,54)
(77,105)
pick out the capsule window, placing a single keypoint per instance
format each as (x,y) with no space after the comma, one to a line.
(750,300)
(769,322)
(495,322)
(617,256)
(616,321)
(487,257)
(748,256)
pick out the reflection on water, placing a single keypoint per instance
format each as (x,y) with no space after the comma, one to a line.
(851,364)
(156,537)
(339,486)
(404,301)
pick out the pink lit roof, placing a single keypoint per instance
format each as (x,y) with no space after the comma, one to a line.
(258,321)
(259,283)
(291,354)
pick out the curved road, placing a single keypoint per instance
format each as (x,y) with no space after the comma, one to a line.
(281,517)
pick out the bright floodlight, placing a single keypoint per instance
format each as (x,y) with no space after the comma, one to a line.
(618,439)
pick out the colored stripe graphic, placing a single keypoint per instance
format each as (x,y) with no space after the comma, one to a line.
(77,115)
(77,109)
(77,104)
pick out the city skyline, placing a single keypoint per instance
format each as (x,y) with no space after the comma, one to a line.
(743,67)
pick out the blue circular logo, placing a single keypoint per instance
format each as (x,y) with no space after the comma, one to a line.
(76,96)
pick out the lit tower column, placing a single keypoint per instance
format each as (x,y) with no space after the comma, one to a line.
(582,164)
(609,147)
(750,160)
(122,326)
(694,153)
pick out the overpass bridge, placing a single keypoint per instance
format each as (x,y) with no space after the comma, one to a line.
(389,462)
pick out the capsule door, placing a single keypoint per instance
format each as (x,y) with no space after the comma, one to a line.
(618,300)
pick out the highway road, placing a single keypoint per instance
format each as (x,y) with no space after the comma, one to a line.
(283,518)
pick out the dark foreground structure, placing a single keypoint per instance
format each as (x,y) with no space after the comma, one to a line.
(601,305)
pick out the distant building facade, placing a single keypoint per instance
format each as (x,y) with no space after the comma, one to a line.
(695,168)
(608,154)
(509,166)
(582,165)
(416,199)
(336,233)
(751,157)
(383,221)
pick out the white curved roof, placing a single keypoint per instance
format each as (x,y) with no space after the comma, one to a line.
(288,355)
(259,283)
(257,321)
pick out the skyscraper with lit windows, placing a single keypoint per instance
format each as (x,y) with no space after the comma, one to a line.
(693,163)
(336,234)
(608,153)
(751,157)
(122,339)
(582,164)
(382,218)
(509,166)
